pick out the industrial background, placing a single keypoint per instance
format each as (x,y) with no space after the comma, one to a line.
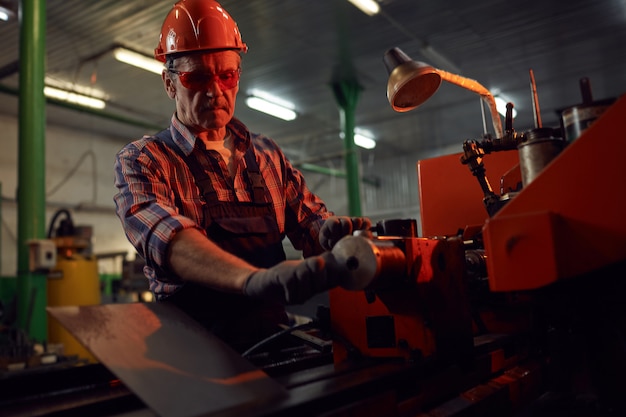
(301,52)
(311,53)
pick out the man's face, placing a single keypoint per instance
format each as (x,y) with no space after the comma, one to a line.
(207,105)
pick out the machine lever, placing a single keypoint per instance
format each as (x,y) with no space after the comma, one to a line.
(508,119)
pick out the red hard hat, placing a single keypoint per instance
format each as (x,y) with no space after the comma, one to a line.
(198,25)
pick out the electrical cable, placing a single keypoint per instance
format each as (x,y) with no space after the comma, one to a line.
(276,336)
(54,218)
(73,171)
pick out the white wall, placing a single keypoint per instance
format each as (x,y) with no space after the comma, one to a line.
(79,177)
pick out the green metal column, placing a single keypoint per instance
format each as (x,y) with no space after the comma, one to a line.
(0,231)
(31,197)
(347,95)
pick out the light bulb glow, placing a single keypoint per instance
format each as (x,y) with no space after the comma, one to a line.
(271,108)
(369,7)
(138,60)
(75,98)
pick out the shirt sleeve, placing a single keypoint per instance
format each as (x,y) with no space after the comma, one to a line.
(145,204)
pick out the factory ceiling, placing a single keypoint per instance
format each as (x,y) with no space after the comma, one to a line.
(303,51)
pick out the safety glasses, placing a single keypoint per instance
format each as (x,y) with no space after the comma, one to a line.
(196,80)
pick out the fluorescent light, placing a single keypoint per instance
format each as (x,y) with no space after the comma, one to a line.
(364,141)
(138,60)
(274,106)
(72,97)
(362,138)
(369,7)
(6,13)
(501,106)
(272,109)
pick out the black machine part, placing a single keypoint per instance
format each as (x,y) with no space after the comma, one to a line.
(576,119)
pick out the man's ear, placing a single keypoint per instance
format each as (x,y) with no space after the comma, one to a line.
(168,84)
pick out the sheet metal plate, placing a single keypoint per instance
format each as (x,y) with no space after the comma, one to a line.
(169,361)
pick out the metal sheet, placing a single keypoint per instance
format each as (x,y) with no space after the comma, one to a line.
(172,363)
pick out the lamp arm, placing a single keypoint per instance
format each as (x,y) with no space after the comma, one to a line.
(477,88)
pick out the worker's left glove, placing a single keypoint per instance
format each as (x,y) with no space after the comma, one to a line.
(337,227)
(294,282)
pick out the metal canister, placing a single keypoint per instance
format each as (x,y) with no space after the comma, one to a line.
(576,119)
(540,147)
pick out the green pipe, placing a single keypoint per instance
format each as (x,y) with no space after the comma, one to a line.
(305,166)
(0,229)
(31,287)
(347,94)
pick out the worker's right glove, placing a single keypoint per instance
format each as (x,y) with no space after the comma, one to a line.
(336,227)
(294,282)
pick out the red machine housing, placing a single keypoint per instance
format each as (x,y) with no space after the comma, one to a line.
(568,221)
(571,219)
(422,313)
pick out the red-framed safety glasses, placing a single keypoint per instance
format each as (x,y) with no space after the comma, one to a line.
(197,80)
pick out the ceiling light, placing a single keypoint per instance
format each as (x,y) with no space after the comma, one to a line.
(369,7)
(76,88)
(362,138)
(364,141)
(75,98)
(138,60)
(501,106)
(274,106)
(6,13)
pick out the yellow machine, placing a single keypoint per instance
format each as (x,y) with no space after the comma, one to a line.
(73,282)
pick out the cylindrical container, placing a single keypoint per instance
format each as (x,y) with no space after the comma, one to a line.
(78,284)
(576,119)
(538,150)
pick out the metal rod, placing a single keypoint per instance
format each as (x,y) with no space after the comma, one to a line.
(482,112)
(585,90)
(533,89)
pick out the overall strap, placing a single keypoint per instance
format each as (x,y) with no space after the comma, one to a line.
(257,183)
(259,190)
(201,178)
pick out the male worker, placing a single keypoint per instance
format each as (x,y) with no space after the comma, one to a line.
(207,203)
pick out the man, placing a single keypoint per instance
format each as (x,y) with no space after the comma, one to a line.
(207,204)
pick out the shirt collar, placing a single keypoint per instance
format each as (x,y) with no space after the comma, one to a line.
(186,140)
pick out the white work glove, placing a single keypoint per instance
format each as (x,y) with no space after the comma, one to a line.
(337,227)
(294,282)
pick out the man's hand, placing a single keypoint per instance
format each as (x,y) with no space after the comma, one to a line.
(294,282)
(337,227)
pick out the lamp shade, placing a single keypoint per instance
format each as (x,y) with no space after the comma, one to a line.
(410,83)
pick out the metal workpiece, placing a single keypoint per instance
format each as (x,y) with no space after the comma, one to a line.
(366,255)
(366,259)
(141,343)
